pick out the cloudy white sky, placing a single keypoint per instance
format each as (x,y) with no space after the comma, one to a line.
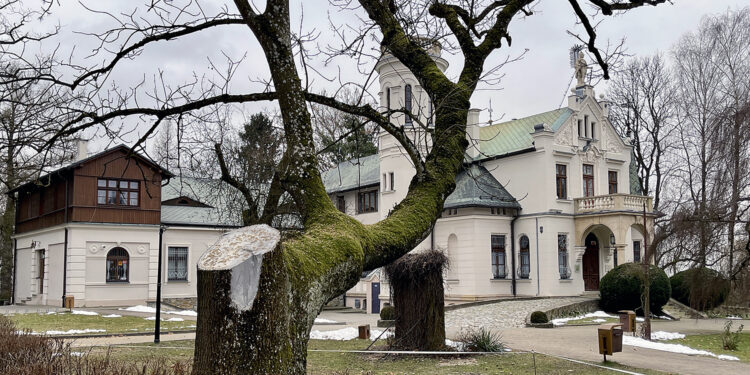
(536,83)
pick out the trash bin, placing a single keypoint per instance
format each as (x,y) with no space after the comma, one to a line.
(627,319)
(364,332)
(69,302)
(610,338)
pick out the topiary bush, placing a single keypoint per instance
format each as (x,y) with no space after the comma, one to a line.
(622,287)
(538,317)
(387,313)
(700,288)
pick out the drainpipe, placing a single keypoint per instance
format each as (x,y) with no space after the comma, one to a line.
(158,288)
(513,253)
(65,266)
(13,286)
(538,276)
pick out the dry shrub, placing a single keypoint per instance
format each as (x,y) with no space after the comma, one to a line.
(22,353)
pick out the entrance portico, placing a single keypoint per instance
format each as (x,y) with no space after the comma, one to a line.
(606,228)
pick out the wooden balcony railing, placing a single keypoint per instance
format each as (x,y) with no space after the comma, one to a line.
(613,202)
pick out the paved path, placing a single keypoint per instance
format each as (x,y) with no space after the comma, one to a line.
(504,314)
(580,343)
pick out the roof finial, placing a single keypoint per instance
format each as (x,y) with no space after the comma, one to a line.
(581,69)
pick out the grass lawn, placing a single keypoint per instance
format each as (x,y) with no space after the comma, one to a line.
(352,364)
(66,321)
(591,321)
(712,343)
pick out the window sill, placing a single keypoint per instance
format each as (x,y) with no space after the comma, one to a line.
(118,206)
(568,280)
(386,192)
(498,279)
(451,281)
(565,200)
(525,280)
(117,282)
(178,281)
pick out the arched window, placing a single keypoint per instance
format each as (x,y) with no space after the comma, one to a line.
(525,269)
(118,263)
(407,103)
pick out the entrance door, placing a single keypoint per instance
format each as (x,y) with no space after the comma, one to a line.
(375,298)
(40,270)
(591,263)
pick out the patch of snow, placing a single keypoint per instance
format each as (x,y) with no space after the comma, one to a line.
(665,317)
(139,308)
(112,316)
(150,318)
(638,319)
(74,332)
(321,320)
(595,314)
(599,320)
(458,345)
(77,354)
(175,320)
(348,333)
(674,348)
(83,312)
(51,313)
(734,317)
(661,335)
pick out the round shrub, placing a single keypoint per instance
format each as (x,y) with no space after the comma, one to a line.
(621,288)
(700,288)
(387,313)
(539,317)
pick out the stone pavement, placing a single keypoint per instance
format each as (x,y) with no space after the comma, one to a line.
(503,314)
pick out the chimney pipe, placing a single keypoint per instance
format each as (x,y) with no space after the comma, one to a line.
(83,151)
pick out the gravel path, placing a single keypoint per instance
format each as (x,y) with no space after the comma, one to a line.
(504,314)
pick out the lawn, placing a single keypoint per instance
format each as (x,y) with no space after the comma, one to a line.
(352,363)
(712,343)
(64,322)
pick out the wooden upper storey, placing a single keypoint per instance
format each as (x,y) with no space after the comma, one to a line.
(109,187)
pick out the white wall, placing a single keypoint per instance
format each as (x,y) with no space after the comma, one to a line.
(197,240)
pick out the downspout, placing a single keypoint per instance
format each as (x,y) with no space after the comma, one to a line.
(65,266)
(513,253)
(158,288)
(65,246)
(13,286)
(538,276)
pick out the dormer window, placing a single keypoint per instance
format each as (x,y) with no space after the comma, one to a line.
(117,192)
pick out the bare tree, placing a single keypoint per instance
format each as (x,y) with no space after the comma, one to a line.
(259,293)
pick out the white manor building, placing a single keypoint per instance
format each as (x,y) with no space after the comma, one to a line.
(545,205)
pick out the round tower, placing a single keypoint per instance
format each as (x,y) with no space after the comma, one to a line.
(400,91)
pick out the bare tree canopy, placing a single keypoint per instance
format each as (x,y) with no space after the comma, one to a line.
(294,276)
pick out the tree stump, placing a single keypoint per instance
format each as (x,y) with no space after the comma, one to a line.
(417,284)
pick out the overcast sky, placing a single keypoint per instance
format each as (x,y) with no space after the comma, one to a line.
(537,83)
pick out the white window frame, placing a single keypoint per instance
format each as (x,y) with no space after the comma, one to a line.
(165,270)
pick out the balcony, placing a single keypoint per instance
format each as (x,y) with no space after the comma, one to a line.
(613,203)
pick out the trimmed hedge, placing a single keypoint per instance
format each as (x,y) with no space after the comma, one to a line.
(700,288)
(621,288)
(388,313)
(539,317)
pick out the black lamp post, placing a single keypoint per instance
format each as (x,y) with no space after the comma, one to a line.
(157,328)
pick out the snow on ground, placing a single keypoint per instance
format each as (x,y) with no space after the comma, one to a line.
(112,316)
(150,318)
(324,321)
(662,335)
(674,348)
(139,308)
(73,332)
(51,313)
(175,320)
(152,310)
(734,317)
(83,312)
(595,314)
(348,333)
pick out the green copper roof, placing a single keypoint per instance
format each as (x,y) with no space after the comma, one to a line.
(352,174)
(515,135)
(476,187)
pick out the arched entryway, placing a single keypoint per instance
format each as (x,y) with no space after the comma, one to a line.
(591,263)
